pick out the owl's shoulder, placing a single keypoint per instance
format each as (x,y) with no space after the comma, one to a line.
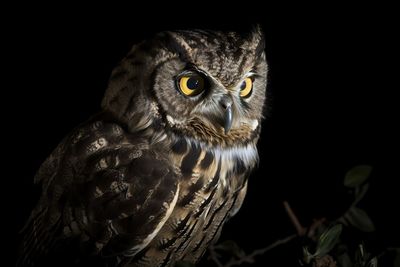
(103,183)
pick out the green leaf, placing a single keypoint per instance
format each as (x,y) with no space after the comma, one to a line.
(359,219)
(184,264)
(357,175)
(328,240)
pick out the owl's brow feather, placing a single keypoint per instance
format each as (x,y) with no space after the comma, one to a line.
(180,46)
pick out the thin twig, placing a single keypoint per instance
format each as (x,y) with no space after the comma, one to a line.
(272,246)
(250,258)
(293,218)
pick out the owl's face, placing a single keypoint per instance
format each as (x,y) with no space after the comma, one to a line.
(207,85)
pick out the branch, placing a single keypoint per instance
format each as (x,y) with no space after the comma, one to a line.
(295,221)
(249,258)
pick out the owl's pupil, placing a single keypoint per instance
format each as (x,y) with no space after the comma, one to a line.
(193,83)
(243,85)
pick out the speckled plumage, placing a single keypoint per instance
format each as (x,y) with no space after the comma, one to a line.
(152,178)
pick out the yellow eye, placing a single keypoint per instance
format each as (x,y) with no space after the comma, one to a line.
(246,88)
(191,85)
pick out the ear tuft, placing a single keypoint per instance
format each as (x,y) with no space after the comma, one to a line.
(257,39)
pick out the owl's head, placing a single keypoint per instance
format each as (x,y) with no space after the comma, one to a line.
(204,85)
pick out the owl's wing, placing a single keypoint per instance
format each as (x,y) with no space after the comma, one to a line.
(105,194)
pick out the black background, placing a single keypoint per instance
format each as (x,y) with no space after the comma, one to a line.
(331,105)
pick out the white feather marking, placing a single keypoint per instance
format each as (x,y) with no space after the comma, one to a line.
(85,219)
(98,192)
(102,164)
(165,205)
(96,145)
(135,154)
(247,153)
(158,137)
(171,120)
(254,125)
(154,108)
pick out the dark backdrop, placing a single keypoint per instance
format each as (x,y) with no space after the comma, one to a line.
(331,105)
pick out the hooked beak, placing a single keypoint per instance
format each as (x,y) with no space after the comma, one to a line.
(226,104)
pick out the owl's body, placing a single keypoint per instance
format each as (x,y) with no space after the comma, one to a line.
(153,177)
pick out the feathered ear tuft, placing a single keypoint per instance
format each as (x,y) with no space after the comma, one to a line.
(177,43)
(257,38)
(254,40)
(257,32)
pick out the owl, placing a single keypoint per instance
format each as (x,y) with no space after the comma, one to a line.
(152,178)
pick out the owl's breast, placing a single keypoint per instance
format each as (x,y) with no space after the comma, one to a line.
(212,188)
